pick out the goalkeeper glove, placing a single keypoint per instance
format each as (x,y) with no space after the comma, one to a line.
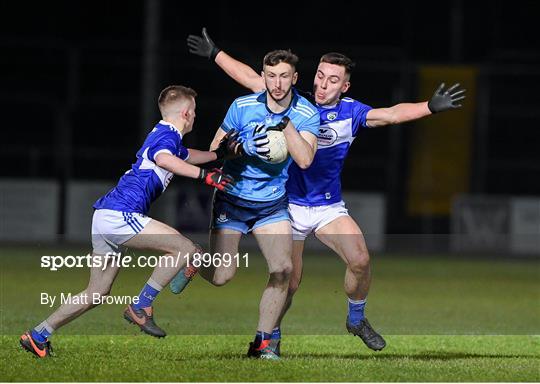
(216,179)
(227,148)
(202,46)
(443,101)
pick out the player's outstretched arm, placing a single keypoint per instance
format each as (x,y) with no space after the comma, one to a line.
(177,166)
(301,145)
(238,71)
(442,100)
(200,157)
(214,178)
(226,148)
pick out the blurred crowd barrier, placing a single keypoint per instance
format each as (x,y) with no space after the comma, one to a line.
(43,211)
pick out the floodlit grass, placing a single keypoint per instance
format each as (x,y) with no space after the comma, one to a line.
(306,358)
(444,318)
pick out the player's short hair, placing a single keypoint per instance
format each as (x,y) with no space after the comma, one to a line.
(273,58)
(173,94)
(339,59)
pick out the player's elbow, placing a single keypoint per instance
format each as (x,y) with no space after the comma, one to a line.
(304,162)
(391,118)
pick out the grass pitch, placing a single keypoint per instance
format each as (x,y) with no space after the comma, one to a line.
(307,358)
(444,319)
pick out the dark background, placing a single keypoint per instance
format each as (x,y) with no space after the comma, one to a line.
(77,96)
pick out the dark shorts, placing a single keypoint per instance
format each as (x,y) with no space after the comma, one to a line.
(242,215)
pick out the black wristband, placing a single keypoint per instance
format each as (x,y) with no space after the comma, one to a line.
(214,53)
(220,152)
(202,174)
(430,108)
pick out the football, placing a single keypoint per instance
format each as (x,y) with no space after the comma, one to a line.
(278,147)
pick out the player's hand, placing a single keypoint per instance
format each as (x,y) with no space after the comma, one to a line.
(229,146)
(202,45)
(216,179)
(254,144)
(281,125)
(444,100)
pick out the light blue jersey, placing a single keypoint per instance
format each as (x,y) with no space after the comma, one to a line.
(320,184)
(255,179)
(145,181)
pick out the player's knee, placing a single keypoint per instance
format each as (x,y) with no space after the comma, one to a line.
(96,295)
(360,263)
(281,274)
(182,249)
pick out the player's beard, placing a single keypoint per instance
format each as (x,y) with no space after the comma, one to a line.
(285,94)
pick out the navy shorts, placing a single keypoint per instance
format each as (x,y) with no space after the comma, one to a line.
(233,212)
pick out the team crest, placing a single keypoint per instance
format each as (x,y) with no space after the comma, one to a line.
(331,116)
(222,218)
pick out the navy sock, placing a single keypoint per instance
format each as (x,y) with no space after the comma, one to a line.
(42,332)
(260,337)
(356,311)
(276,333)
(148,294)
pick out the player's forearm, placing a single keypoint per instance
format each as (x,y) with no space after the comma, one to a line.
(302,152)
(409,111)
(201,157)
(178,167)
(240,72)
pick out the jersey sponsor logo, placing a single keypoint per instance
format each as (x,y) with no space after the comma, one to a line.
(327,136)
(331,115)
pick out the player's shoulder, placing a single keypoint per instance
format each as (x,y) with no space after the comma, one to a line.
(164,127)
(164,130)
(304,107)
(247,100)
(350,103)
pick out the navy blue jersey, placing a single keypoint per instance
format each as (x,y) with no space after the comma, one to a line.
(145,181)
(320,184)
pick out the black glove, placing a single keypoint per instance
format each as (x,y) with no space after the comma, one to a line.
(228,146)
(281,125)
(202,46)
(443,101)
(216,178)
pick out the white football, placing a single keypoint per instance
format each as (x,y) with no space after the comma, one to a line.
(278,147)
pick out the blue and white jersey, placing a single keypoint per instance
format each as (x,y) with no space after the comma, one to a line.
(320,184)
(145,181)
(255,179)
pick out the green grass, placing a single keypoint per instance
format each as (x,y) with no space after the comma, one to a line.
(444,318)
(307,358)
